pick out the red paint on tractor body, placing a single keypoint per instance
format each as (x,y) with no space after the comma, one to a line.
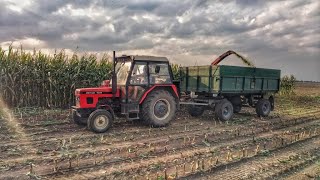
(94,94)
(174,88)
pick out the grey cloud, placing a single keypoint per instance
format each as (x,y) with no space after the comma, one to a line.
(170,10)
(261,29)
(250,3)
(147,6)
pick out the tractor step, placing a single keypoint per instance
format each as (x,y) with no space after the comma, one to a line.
(131,110)
(133,115)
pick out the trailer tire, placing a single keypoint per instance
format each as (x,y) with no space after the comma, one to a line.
(235,100)
(263,108)
(195,111)
(158,109)
(77,119)
(224,110)
(237,108)
(100,121)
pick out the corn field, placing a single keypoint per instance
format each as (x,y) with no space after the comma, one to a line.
(175,71)
(36,79)
(30,79)
(287,85)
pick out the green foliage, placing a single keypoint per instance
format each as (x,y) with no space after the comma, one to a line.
(41,80)
(175,71)
(287,85)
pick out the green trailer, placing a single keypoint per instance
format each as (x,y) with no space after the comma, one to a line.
(225,89)
(222,79)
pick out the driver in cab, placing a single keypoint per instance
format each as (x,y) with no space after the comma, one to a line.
(139,75)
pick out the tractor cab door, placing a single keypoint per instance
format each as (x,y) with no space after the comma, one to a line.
(138,82)
(144,75)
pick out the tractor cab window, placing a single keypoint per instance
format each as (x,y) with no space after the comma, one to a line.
(159,73)
(122,70)
(139,74)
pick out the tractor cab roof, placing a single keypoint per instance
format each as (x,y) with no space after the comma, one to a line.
(142,58)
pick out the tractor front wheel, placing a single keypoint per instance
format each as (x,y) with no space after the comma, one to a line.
(100,121)
(158,109)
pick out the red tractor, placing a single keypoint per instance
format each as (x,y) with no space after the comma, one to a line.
(142,87)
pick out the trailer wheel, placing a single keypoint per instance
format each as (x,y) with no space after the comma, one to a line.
(77,119)
(237,108)
(224,110)
(159,108)
(195,111)
(235,100)
(263,107)
(236,103)
(100,121)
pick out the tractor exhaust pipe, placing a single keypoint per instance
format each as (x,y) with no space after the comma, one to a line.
(114,76)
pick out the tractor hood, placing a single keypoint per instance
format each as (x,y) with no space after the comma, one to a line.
(95,90)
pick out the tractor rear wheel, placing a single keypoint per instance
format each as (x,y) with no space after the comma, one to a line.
(158,109)
(77,119)
(224,110)
(263,107)
(195,111)
(100,121)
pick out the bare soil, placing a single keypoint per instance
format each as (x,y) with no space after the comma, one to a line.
(284,145)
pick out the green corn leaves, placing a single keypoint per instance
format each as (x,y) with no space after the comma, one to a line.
(37,79)
(287,85)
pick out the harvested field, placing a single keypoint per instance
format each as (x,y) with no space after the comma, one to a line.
(284,145)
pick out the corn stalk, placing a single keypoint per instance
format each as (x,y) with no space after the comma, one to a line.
(287,85)
(41,80)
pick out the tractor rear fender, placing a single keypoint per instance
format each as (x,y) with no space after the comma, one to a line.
(170,88)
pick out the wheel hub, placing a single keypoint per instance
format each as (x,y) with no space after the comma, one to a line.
(161,109)
(265,107)
(226,111)
(101,122)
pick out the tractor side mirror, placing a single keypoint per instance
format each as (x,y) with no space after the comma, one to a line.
(157,70)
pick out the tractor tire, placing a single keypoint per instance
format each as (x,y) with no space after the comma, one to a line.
(77,119)
(195,111)
(224,110)
(100,121)
(158,109)
(237,108)
(263,108)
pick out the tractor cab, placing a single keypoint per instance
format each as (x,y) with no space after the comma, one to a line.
(141,88)
(136,74)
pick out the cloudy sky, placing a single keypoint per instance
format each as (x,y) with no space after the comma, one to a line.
(273,33)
